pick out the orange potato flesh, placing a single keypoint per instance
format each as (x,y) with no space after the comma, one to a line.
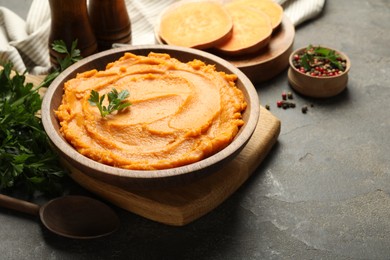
(269,7)
(196,24)
(251,31)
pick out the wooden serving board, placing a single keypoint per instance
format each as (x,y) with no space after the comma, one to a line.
(179,206)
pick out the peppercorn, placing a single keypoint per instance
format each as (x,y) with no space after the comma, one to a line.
(284,96)
(267,107)
(289,95)
(304,109)
(285,104)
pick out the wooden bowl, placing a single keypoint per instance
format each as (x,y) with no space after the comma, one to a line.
(154,179)
(314,86)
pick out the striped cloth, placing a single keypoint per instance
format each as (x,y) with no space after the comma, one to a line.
(25,42)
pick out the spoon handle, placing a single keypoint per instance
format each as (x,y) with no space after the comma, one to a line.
(19,205)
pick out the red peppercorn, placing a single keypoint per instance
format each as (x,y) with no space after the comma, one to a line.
(279,103)
(284,96)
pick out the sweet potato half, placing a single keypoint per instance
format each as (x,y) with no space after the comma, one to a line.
(252,30)
(269,7)
(198,24)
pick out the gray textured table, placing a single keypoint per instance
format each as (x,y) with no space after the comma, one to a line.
(322,193)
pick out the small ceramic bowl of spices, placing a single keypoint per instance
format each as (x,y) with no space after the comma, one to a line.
(318,71)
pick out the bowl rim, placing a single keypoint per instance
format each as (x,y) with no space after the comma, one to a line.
(342,54)
(63,146)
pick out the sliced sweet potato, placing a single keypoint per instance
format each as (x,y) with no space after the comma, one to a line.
(197,24)
(269,7)
(251,30)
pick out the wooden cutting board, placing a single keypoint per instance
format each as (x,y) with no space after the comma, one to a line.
(179,206)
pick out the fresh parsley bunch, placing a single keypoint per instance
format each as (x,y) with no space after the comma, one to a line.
(26,158)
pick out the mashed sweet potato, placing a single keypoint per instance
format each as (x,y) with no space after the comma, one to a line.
(180,112)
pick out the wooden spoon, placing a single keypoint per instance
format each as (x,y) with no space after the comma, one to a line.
(70,216)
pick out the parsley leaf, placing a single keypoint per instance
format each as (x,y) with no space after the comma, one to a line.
(116,101)
(70,56)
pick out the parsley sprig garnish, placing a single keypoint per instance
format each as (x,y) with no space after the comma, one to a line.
(116,101)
